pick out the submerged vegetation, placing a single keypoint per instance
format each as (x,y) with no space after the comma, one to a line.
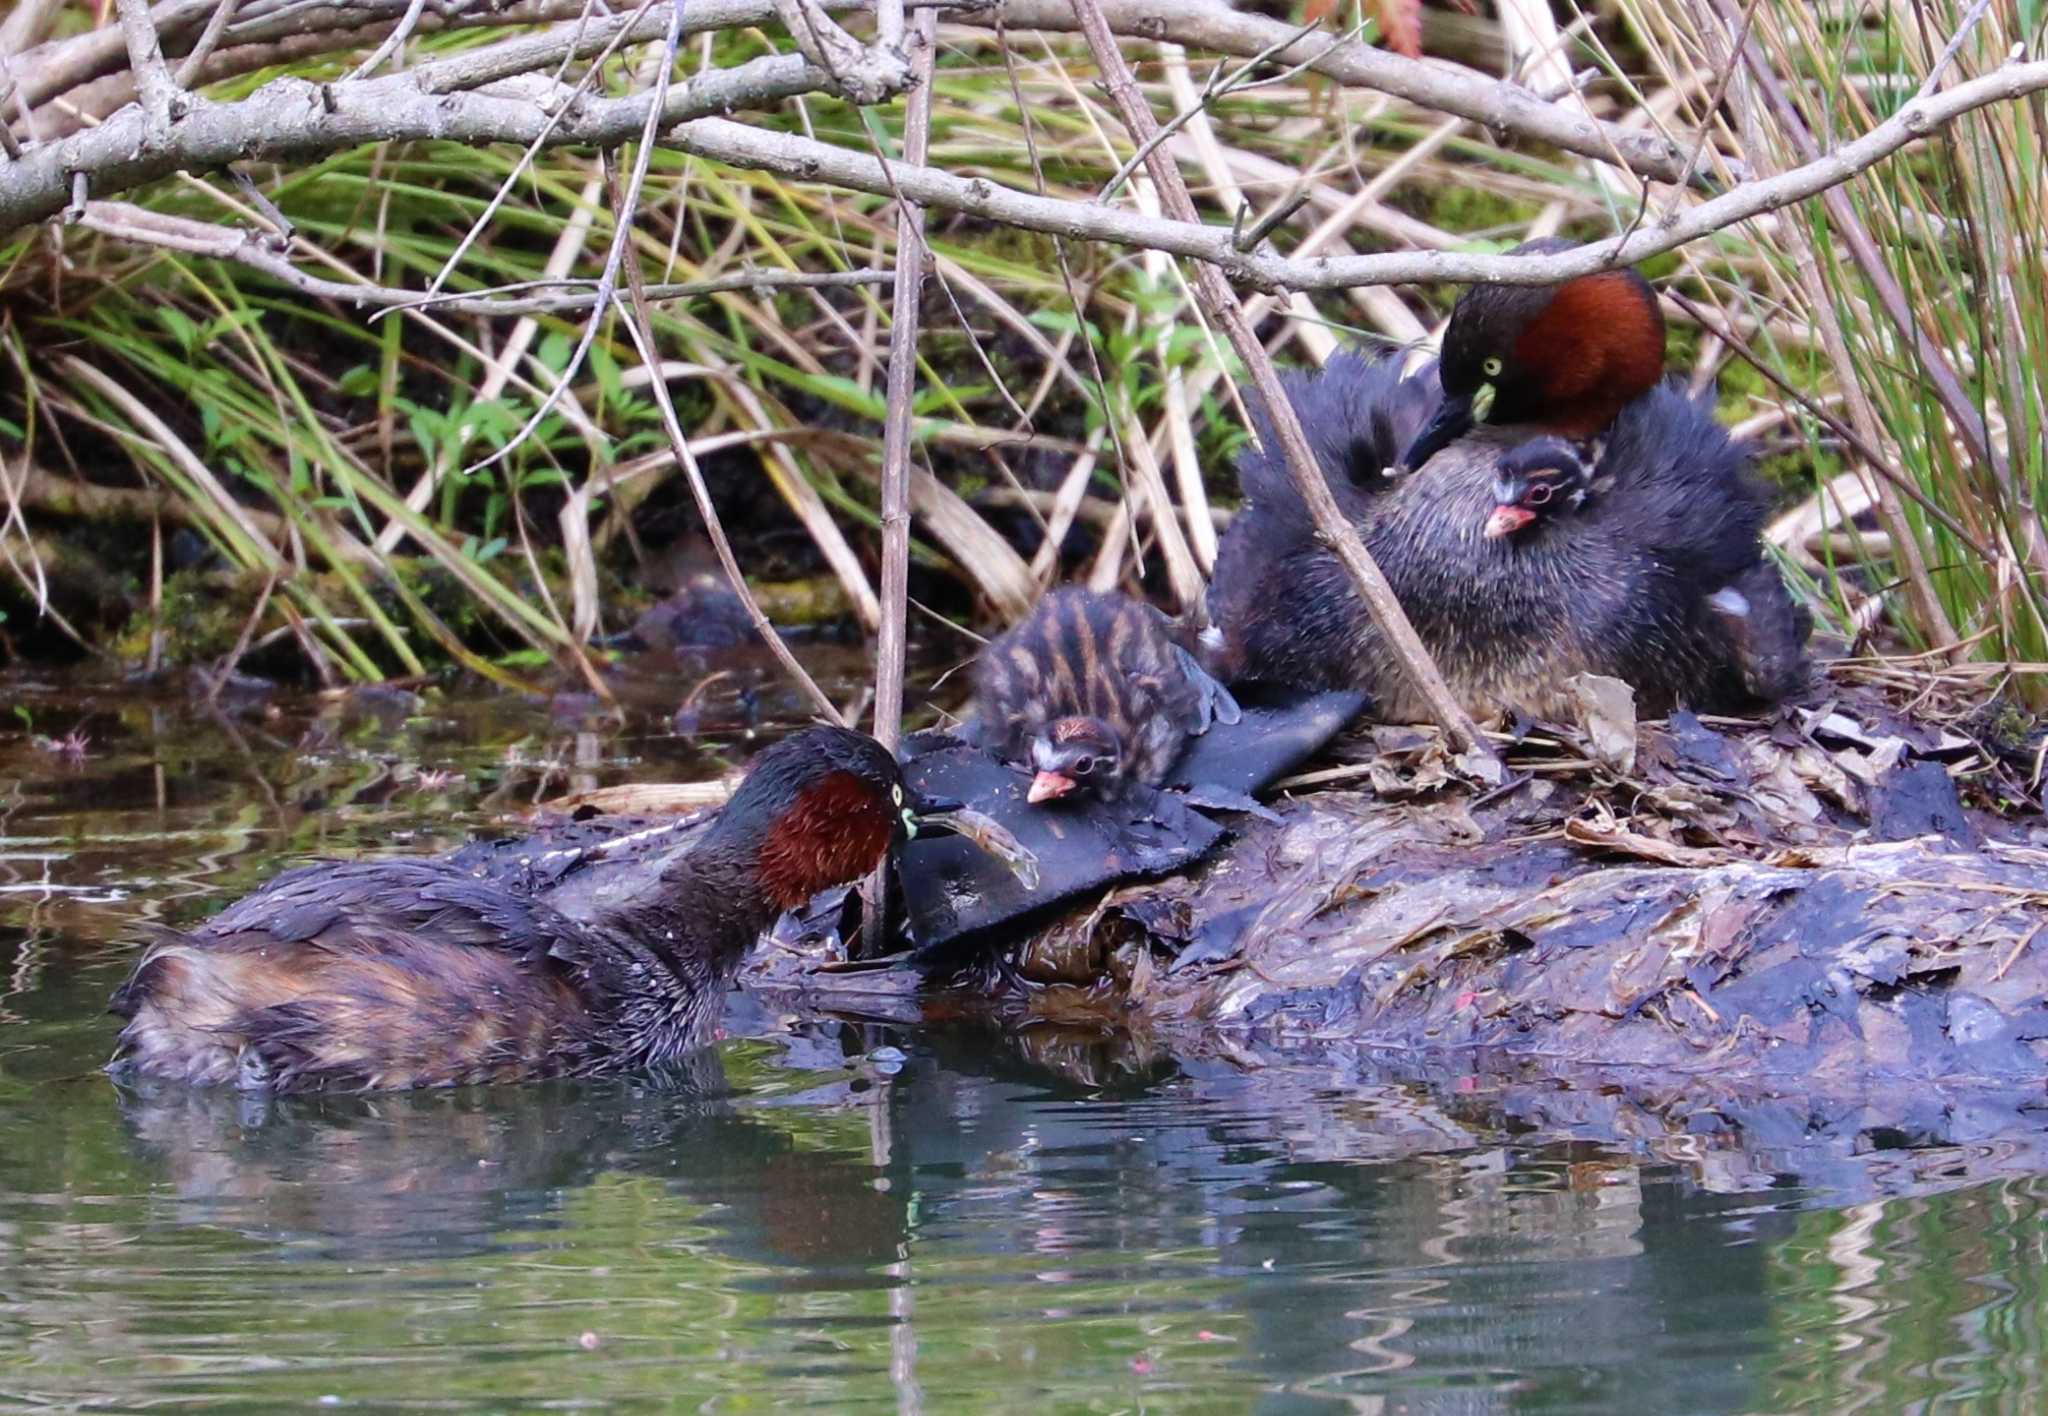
(351,406)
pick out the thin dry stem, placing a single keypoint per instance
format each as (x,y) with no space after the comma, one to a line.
(1222,307)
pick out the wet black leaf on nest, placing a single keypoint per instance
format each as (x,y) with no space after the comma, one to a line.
(1919,799)
(1698,751)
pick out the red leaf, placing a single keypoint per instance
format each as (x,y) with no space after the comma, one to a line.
(1314,11)
(1400,25)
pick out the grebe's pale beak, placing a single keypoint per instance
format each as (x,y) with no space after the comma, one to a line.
(929,815)
(1453,420)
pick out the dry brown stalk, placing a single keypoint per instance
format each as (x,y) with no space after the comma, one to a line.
(1221,304)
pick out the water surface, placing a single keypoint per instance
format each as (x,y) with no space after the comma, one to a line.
(852,1216)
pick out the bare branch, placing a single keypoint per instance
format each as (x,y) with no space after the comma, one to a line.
(912,261)
(1503,107)
(291,119)
(801,158)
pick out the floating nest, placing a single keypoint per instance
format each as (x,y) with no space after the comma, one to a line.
(1804,901)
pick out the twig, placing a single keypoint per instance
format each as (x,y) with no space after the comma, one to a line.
(640,325)
(1219,86)
(399,34)
(1948,55)
(500,368)
(1220,302)
(209,40)
(519,168)
(911,262)
(1714,100)
(493,302)
(622,238)
(2018,949)
(159,92)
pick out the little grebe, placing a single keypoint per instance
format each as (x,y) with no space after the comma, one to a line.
(1562,359)
(1092,689)
(1521,561)
(415,973)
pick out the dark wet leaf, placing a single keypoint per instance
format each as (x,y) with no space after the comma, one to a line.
(1919,799)
(952,890)
(1699,751)
(1280,729)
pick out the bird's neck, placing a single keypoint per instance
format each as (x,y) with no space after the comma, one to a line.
(704,912)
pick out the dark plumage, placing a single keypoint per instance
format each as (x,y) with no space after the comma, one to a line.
(1091,689)
(413,973)
(1613,578)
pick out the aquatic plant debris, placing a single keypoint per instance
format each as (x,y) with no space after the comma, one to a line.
(1797,902)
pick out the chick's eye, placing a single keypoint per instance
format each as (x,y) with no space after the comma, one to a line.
(1538,495)
(1491,368)
(1083,766)
(897,792)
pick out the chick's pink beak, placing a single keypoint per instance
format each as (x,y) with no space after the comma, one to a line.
(1506,520)
(1047,785)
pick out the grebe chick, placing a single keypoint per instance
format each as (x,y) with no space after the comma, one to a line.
(1520,561)
(1091,690)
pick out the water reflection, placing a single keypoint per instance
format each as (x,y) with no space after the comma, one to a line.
(1072,1221)
(378,1177)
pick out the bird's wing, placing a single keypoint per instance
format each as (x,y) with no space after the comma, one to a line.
(1213,703)
(1681,487)
(394,897)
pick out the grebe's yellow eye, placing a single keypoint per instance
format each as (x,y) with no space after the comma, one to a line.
(1491,368)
